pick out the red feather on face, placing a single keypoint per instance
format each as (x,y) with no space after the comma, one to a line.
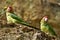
(9,9)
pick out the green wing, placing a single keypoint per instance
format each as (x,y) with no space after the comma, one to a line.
(51,29)
(19,20)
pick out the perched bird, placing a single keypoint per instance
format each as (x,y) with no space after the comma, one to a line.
(10,14)
(46,27)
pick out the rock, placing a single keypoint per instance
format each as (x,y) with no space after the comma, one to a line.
(31,11)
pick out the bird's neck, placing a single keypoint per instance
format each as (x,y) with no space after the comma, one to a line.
(8,13)
(43,22)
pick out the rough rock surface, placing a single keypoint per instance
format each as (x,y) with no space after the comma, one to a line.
(21,34)
(31,11)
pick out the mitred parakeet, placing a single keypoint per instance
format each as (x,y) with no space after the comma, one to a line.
(12,17)
(46,27)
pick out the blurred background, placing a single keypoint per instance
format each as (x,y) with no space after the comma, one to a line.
(33,10)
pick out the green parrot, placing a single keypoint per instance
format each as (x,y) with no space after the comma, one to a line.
(46,27)
(10,14)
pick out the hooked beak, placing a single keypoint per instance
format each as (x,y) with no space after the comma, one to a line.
(46,19)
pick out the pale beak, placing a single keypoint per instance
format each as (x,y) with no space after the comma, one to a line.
(46,19)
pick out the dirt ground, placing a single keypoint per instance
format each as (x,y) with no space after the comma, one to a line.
(30,11)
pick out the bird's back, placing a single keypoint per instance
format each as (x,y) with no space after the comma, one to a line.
(51,30)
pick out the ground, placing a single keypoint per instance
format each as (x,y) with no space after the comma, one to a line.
(30,11)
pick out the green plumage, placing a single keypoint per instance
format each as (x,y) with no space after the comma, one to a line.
(47,28)
(9,19)
(13,18)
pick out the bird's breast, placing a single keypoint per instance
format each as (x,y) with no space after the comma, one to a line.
(9,18)
(44,28)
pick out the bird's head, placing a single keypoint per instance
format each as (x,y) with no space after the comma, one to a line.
(9,9)
(45,18)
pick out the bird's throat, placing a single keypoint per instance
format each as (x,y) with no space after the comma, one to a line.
(43,22)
